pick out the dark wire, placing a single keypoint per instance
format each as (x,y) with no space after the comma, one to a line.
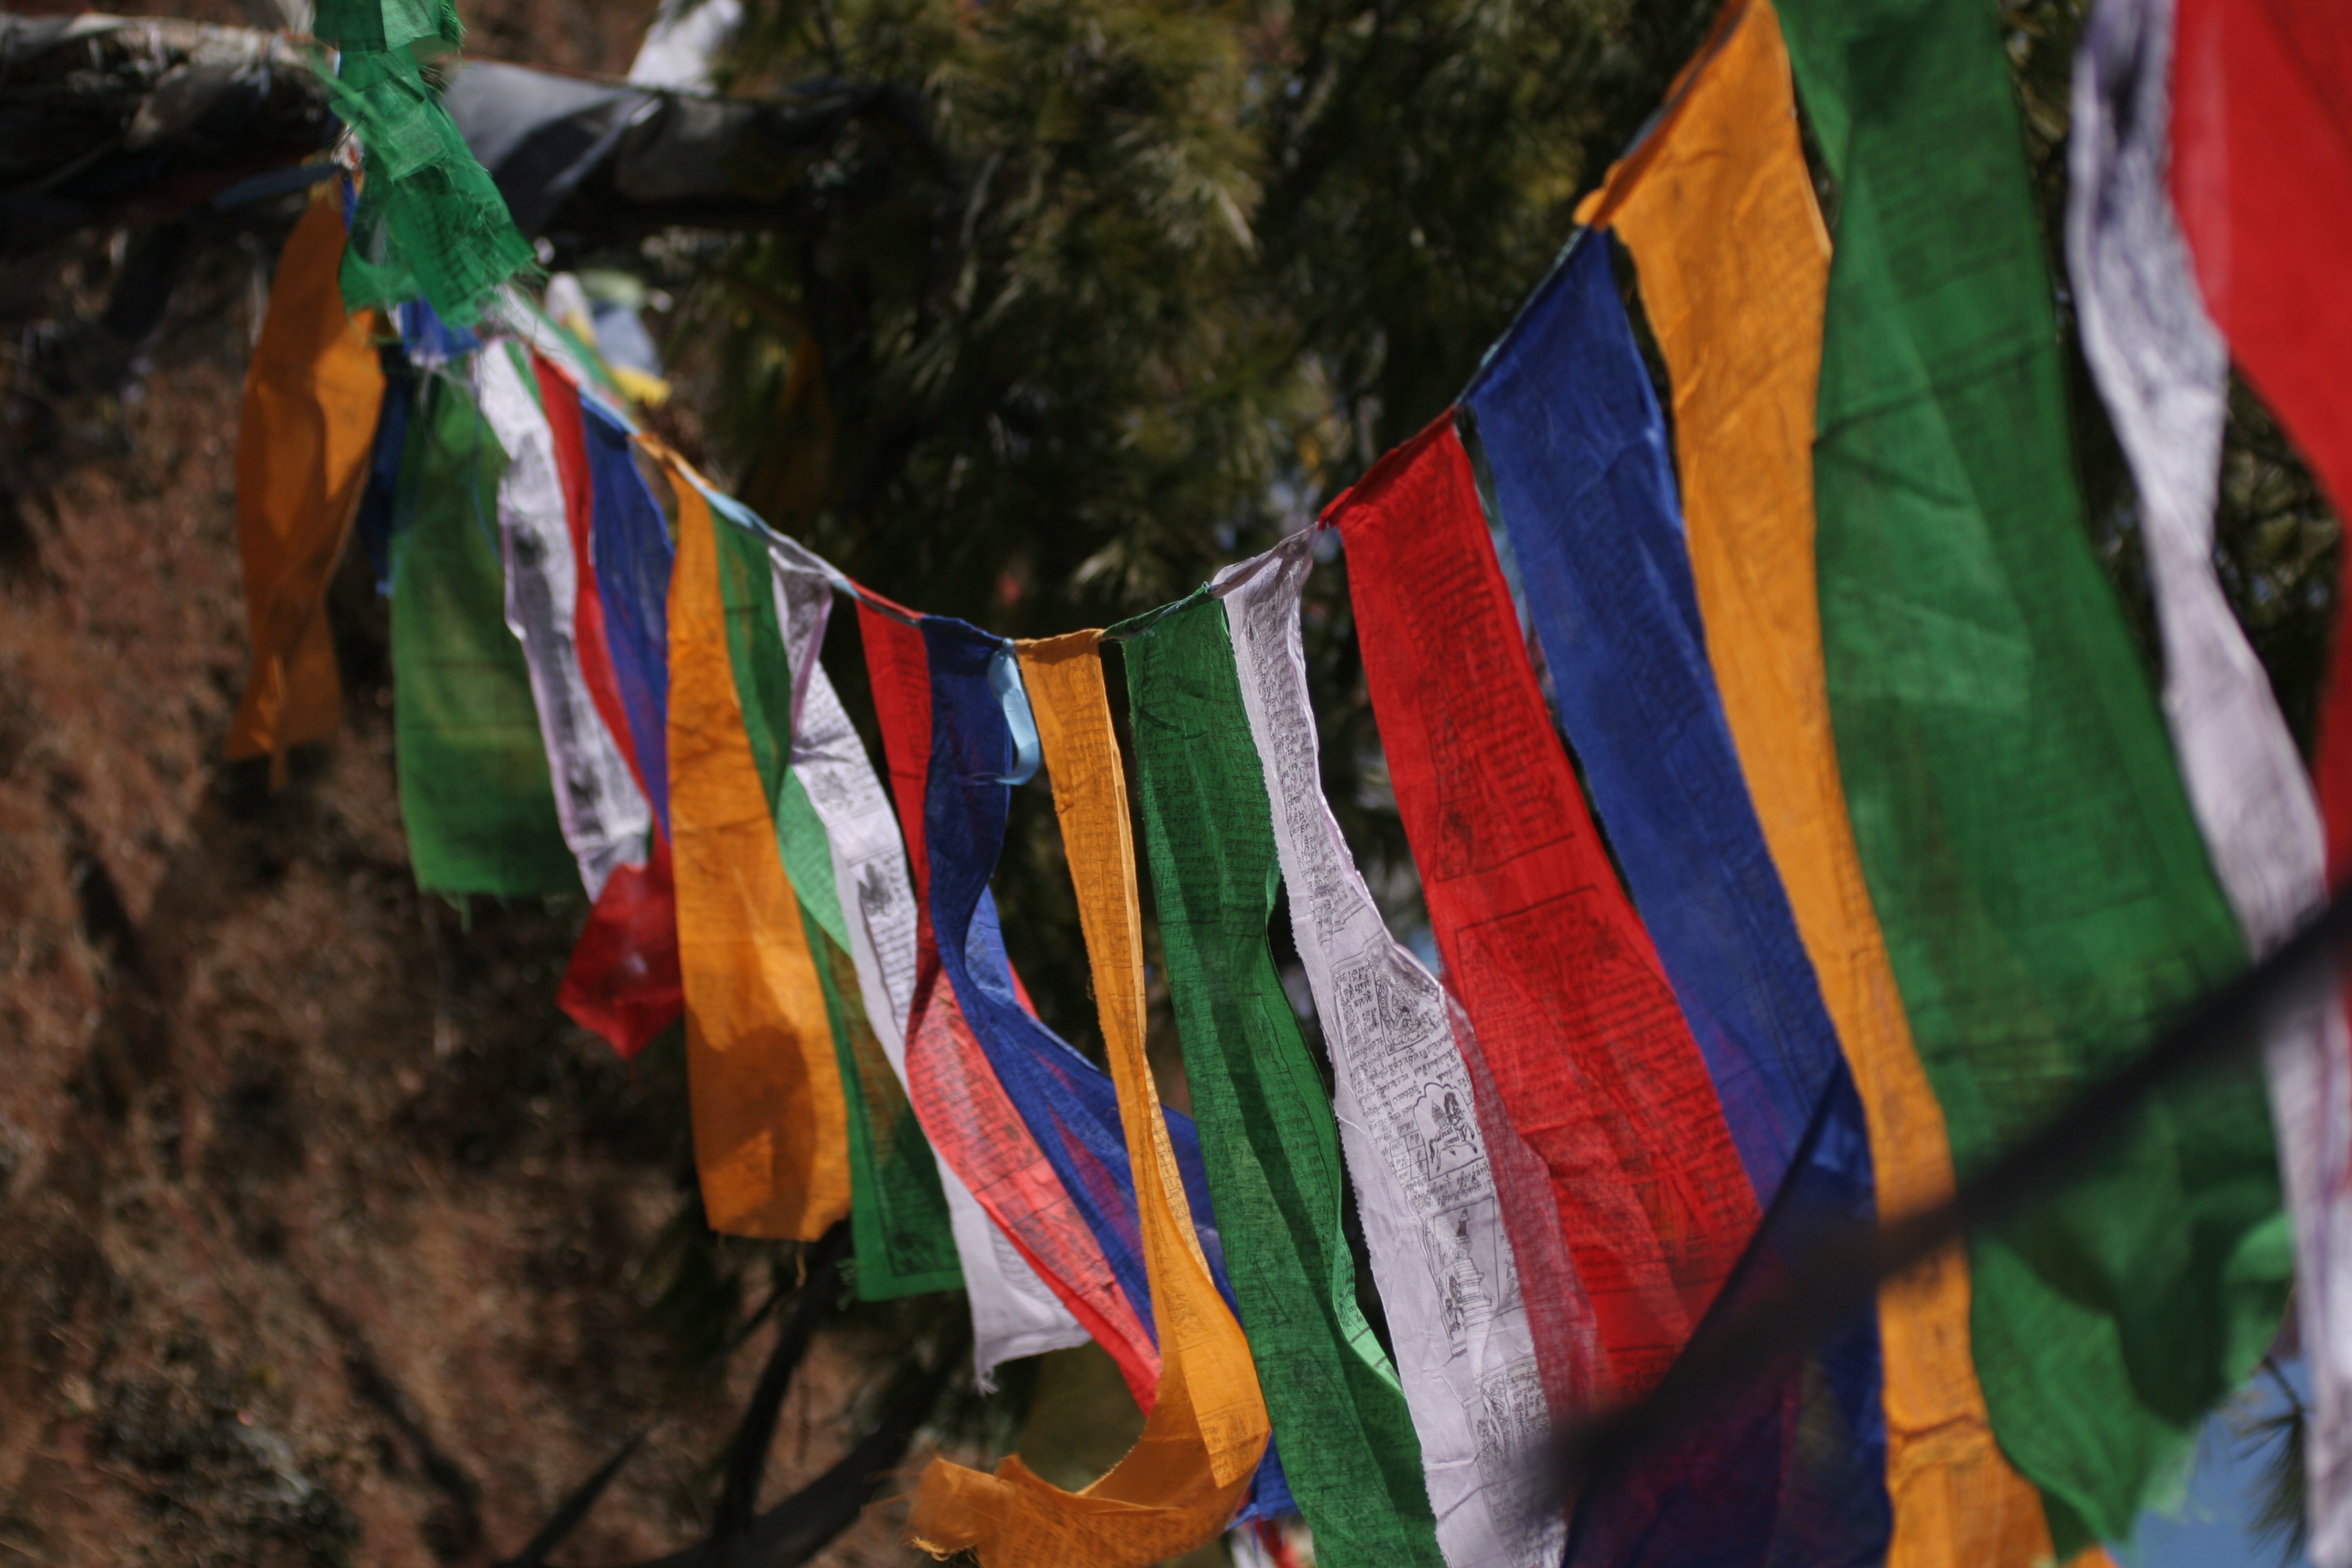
(1837,1272)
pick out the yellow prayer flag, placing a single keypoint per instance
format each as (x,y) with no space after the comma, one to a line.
(1718,209)
(311,397)
(770,1127)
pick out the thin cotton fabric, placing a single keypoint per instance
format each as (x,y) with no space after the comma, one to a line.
(770,1130)
(312,396)
(897,1214)
(373,521)
(623,981)
(1570,1009)
(429,221)
(2043,891)
(2261,176)
(1707,1496)
(1268,1141)
(1572,434)
(603,816)
(1069,1104)
(1180,1484)
(1013,1313)
(1718,209)
(1456,1301)
(2164,371)
(1577,447)
(475,793)
(630,547)
(971,1121)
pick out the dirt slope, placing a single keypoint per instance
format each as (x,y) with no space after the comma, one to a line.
(323,1237)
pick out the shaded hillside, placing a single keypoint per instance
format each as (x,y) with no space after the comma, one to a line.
(323,1237)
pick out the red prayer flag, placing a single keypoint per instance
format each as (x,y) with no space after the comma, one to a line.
(1573,1012)
(2261,176)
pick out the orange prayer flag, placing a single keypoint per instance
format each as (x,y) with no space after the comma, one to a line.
(1718,209)
(770,1127)
(1189,1471)
(311,397)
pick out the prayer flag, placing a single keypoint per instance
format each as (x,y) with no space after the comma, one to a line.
(475,793)
(312,395)
(2164,371)
(770,1133)
(630,549)
(1269,1144)
(1180,1484)
(1456,1298)
(2046,899)
(1717,207)
(1570,1010)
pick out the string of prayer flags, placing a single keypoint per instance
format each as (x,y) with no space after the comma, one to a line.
(1914,863)
(1201,1443)
(1458,1304)
(603,814)
(2040,880)
(1570,1010)
(474,789)
(897,1214)
(312,397)
(1572,433)
(770,1133)
(1269,1144)
(971,1120)
(2164,371)
(623,981)
(1738,324)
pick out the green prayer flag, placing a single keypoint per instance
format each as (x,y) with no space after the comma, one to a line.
(373,27)
(899,1214)
(475,790)
(430,222)
(1267,1139)
(2044,892)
